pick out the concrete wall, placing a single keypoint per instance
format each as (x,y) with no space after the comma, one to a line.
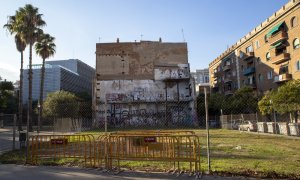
(136,60)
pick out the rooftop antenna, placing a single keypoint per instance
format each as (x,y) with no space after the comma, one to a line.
(99,39)
(142,37)
(183,38)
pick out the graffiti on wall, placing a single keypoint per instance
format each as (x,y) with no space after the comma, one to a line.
(123,115)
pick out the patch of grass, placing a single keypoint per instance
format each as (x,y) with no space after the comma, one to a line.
(254,154)
(13,157)
(232,153)
(242,153)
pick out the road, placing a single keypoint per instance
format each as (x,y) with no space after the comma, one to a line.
(6,140)
(16,172)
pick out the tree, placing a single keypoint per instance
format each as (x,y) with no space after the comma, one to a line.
(61,104)
(8,101)
(265,105)
(286,99)
(30,23)
(244,101)
(45,48)
(13,27)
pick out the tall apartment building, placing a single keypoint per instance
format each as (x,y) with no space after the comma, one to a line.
(69,75)
(201,77)
(148,76)
(263,59)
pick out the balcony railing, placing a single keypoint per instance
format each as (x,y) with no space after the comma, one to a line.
(227,80)
(282,78)
(248,56)
(226,68)
(248,71)
(279,36)
(281,58)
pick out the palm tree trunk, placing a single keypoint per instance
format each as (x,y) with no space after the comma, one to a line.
(21,95)
(41,94)
(29,114)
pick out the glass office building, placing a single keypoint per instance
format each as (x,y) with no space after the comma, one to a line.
(69,75)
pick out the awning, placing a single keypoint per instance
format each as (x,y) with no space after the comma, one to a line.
(274,29)
(276,45)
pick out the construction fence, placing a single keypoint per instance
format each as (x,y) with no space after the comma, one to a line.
(117,116)
(107,151)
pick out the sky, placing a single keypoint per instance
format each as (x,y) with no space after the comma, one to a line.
(208,26)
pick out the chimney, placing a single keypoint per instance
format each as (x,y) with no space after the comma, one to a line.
(118,40)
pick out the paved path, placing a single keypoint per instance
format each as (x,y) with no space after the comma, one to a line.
(16,172)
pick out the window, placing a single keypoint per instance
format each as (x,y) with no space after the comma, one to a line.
(268,56)
(284,69)
(258,60)
(260,78)
(294,22)
(296,43)
(266,39)
(257,44)
(241,54)
(249,49)
(270,74)
(298,65)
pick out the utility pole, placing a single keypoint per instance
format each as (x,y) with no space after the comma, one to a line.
(207,130)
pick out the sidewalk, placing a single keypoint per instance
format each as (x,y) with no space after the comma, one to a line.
(16,172)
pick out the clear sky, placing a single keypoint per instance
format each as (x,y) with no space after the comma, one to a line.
(208,26)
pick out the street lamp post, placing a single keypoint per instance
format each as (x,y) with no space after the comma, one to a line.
(39,116)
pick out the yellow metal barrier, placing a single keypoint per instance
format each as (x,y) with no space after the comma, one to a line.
(176,147)
(63,146)
(150,147)
(158,132)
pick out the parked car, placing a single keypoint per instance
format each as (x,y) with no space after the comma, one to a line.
(249,126)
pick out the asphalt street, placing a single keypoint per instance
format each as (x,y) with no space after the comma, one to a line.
(17,172)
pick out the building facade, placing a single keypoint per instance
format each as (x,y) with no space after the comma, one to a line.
(201,77)
(69,75)
(148,76)
(263,59)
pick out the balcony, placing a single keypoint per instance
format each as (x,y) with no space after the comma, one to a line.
(282,78)
(226,68)
(215,74)
(248,56)
(281,58)
(248,71)
(227,80)
(279,36)
(228,92)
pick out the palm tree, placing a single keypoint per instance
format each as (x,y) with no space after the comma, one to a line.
(45,48)
(31,23)
(13,28)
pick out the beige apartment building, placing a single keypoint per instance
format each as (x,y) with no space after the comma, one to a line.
(265,58)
